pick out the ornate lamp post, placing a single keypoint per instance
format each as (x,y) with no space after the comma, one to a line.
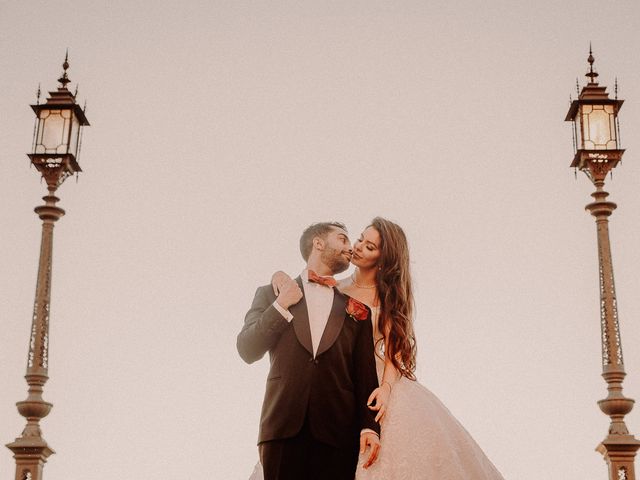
(596,137)
(56,145)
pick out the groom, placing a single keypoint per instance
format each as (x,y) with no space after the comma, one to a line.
(314,414)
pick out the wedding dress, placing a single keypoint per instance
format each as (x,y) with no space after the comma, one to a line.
(420,438)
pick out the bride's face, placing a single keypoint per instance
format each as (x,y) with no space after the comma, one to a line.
(366,250)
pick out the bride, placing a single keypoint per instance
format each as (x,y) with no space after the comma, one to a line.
(420,438)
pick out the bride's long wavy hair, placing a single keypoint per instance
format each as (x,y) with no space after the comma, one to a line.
(396,297)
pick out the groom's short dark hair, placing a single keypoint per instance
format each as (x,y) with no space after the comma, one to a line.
(320,229)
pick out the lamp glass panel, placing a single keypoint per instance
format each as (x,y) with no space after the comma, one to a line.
(64,145)
(38,143)
(612,144)
(52,129)
(75,134)
(596,128)
(582,124)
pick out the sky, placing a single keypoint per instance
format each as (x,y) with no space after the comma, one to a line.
(220,130)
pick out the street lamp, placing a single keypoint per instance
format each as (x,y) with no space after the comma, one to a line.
(56,146)
(596,138)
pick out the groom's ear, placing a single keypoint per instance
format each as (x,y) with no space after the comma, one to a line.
(318,243)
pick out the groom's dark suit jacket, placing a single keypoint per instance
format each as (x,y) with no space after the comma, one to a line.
(330,390)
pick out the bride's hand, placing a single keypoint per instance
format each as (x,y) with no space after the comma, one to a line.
(278,279)
(381,396)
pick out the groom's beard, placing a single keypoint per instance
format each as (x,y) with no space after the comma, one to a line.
(334,259)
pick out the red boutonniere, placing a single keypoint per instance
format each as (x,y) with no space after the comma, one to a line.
(357,310)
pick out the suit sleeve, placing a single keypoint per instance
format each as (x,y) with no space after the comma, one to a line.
(263,325)
(366,376)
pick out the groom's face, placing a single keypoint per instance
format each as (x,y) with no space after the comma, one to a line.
(337,250)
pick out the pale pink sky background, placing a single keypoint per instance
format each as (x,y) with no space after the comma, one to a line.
(221,129)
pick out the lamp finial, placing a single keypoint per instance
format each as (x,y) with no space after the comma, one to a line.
(64,79)
(591,74)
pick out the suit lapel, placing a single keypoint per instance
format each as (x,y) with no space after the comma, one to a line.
(301,321)
(334,323)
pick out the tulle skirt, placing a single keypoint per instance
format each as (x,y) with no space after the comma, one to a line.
(422,440)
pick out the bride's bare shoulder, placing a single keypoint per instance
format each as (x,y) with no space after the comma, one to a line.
(345,285)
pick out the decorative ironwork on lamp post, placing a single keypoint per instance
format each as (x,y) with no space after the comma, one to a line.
(56,146)
(596,137)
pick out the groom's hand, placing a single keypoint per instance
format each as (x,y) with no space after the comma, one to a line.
(290,294)
(278,280)
(371,440)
